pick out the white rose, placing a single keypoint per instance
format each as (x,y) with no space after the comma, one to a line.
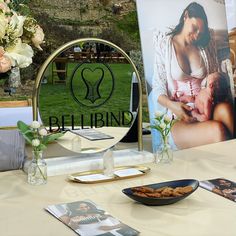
(43,132)
(35,124)
(167,119)
(158,114)
(20,54)
(163,126)
(35,142)
(16,24)
(38,37)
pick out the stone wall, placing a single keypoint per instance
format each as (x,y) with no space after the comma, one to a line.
(82,12)
(65,20)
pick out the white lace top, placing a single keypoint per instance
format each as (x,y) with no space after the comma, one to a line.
(162,81)
(177,72)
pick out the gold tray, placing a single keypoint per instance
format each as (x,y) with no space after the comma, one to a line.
(72,177)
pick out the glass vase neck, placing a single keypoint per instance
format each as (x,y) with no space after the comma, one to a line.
(165,139)
(37,154)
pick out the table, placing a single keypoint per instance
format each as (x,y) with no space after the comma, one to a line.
(201,214)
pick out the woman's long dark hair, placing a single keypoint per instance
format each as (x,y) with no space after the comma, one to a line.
(197,11)
(216,182)
(73,209)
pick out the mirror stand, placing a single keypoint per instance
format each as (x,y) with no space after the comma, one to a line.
(82,67)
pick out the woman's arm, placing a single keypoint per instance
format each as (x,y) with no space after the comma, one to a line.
(159,78)
(159,81)
(217,191)
(65,219)
(180,109)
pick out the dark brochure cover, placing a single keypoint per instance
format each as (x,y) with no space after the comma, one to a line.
(221,186)
(88,219)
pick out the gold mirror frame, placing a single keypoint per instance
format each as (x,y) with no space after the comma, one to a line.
(76,42)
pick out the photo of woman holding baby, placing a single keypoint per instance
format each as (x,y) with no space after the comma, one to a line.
(188,81)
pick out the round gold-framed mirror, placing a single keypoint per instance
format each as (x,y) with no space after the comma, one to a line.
(91,89)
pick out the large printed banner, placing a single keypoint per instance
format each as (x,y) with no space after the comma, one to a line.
(187,69)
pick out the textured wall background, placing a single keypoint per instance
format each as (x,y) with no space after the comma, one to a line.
(66,20)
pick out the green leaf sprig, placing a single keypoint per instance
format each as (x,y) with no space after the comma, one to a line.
(36,135)
(163,123)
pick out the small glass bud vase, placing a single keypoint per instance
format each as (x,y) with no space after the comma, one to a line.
(164,153)
(37,170)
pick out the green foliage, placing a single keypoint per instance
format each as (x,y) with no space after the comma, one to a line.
(129,24)
(24,10)
(26,131)
(54,97)
(163,123)
(29,24)
(52,137)
(30,134)
(20,6)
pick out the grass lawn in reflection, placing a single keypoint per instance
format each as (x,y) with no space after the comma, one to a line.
(56,99)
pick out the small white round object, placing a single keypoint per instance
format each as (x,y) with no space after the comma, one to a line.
(35,142)
(167,119)
(35,124)
(163,126)
(158,114)
(43,132)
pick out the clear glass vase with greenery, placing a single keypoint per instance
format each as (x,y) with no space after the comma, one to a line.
(38,137)
(163,124)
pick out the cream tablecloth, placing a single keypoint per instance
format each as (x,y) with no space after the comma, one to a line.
(203,213)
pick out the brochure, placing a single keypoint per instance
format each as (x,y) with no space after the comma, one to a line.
(91,134)
(221,186)
(88,219)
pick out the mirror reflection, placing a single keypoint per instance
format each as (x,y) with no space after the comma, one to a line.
(90,91)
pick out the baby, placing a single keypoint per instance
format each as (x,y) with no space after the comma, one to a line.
(203,102)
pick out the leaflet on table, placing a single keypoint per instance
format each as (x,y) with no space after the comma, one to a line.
(119,173)
(88,219)
(91,134)
(221,186)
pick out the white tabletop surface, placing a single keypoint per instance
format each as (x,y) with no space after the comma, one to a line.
(201,214)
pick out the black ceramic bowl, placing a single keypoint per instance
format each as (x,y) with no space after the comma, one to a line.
(167,200)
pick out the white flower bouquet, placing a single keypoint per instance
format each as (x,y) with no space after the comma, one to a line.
(163,123)
(17,34)
(36,135)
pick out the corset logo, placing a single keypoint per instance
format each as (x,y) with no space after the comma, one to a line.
(92,85)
